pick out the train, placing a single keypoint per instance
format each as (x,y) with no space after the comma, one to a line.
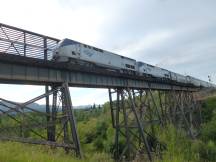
(75,52)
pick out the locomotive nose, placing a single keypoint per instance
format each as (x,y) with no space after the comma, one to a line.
(55,54)
(56,51)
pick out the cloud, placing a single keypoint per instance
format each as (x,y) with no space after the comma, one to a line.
(177,35)
(151,40)
(49,18)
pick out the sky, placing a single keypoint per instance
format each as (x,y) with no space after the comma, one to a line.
(178,35)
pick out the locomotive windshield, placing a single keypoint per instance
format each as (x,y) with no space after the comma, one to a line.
(66,42)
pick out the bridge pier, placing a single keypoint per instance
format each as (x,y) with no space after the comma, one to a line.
(137,113)
(131,128)
(184,111)
(29,119)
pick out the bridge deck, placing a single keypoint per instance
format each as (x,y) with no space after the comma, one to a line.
(22,70)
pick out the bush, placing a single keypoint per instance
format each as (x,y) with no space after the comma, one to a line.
(206,151)
(208,131)
(98,144)
(178,145)
(208,109)
(101,129)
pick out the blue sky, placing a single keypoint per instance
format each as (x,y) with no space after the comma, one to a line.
(177,35)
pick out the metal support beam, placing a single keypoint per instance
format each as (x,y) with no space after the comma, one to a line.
(71,119)
(48,112)
(135,114)
(31,120)
(128,125)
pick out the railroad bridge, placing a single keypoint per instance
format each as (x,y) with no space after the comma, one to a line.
(137,104)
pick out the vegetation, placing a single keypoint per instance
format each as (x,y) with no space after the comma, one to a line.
(180,148)
(96,137)
(17,152)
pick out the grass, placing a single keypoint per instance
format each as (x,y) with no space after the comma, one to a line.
(179,148)
(17,152)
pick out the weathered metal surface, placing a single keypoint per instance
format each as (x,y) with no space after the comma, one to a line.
(20,70)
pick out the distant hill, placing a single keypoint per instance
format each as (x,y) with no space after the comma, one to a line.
(38,107)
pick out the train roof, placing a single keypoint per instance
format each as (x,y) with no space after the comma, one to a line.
(66,42)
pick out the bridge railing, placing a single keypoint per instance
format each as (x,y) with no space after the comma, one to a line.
(26,43)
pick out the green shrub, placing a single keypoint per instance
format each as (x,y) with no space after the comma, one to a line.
(101,129)
(208,131)
(206,151)
(209,109)
(99,144)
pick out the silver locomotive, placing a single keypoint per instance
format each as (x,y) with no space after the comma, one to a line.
(78,53)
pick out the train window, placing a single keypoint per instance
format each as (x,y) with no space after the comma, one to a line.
(73,53)
(100,50)
(85,45)
(95,49)
(150,65)
(130,66)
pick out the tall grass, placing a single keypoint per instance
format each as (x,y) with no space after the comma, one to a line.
(179,148)
(17,152)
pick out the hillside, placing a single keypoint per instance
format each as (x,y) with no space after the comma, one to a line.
(96,136)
